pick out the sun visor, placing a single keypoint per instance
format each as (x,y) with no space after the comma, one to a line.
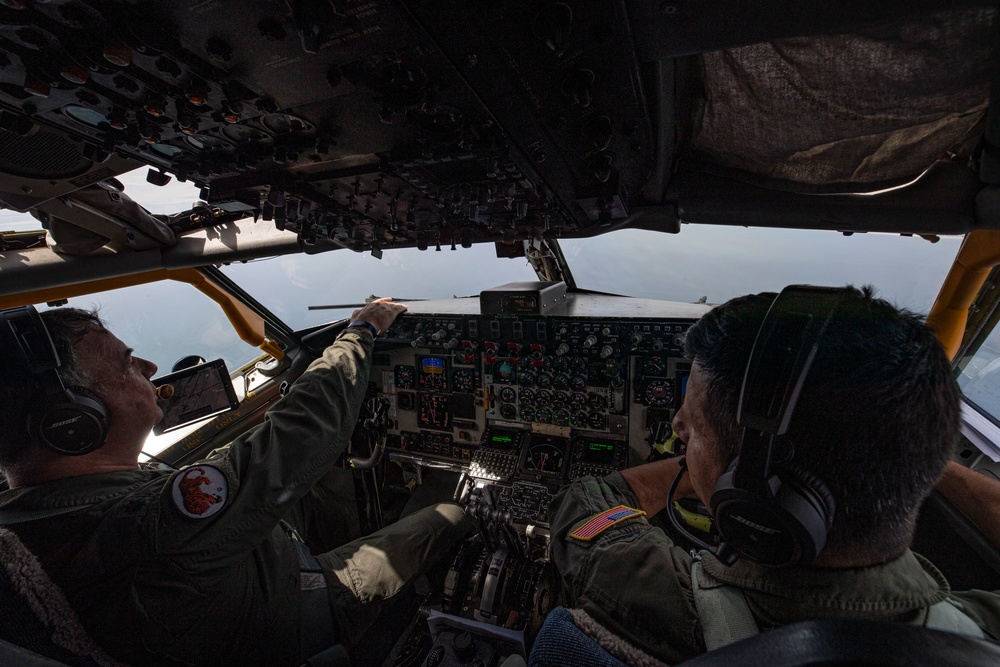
(846,113)
(101,216)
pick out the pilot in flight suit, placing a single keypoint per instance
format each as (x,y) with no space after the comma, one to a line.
(194,566)
(875,424)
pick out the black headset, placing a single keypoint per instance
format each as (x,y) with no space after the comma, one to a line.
(70,421)
(767,512)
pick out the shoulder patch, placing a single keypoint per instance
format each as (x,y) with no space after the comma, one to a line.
(200,491)
(598,523)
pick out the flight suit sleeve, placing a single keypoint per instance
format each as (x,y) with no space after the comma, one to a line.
(983,607)
(236,500)
(629,576)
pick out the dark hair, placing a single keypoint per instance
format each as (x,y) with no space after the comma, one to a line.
(877,420)
(20,391)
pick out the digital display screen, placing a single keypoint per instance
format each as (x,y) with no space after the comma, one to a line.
(435,412)
(432,373)
(194,394)
(546,454)
(431,365)
(602,453)
(520,303)
(504,439)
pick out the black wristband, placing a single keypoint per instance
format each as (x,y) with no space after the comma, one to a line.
(366,325)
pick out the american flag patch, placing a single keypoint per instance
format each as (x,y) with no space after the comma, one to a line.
(598,523)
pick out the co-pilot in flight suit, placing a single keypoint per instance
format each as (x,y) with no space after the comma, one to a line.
(193,567)
(631,590)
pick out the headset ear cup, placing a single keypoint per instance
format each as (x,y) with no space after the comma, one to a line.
(789,528)
(75,426)
(814,490)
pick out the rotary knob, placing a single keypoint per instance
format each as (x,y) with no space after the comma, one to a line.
(590,341)
(607,351)
(439,335)
(562,349)
(419,341)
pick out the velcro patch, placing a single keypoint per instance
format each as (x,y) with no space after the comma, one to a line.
(200,491)
(598,523)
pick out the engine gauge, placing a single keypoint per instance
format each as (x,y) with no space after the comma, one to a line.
(543,380)
(561,364)
(507,395)
(597,401)
(543,415)
(527,413)
(543,397)
(579,418)
(560,399)
(560,381)
(527,378)
(508,411)
(527,397)
(504,371)
(577,400)
(560,417)
(578,383)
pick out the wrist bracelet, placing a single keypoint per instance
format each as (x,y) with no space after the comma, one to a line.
(366,325)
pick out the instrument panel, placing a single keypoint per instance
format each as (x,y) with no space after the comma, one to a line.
(524,403)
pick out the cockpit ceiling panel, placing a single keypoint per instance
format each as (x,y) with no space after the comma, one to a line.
(850,112)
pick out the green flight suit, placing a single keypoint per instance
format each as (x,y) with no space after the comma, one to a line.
(636,584)
(216,581)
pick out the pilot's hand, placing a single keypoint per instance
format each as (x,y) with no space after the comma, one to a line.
(380,313)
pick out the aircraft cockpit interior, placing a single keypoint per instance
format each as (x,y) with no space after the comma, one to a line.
(518,173)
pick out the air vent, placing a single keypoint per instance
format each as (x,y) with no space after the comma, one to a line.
(43,154)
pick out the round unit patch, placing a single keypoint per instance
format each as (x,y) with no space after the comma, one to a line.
(200,492)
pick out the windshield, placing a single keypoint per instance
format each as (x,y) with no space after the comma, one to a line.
(717,263)
(288,285)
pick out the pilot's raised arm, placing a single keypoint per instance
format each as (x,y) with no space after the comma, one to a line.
(875,425)
(197,566)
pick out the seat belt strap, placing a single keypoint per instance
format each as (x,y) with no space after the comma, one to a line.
(722,609)
(316,624)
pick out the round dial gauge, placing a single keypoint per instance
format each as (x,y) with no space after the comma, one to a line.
(462,381)
(527,378)
(543,415)
(543,397)
(503,371)
(597,401)
(507,395)
(543,380)
(527,413)
(579,418)
(578,383)
(527,397)
(561,364)
(560,417)
(578,401)
(508,411)
(655,366)
(405,377)
(659,394)
(560,381)
(560,399)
